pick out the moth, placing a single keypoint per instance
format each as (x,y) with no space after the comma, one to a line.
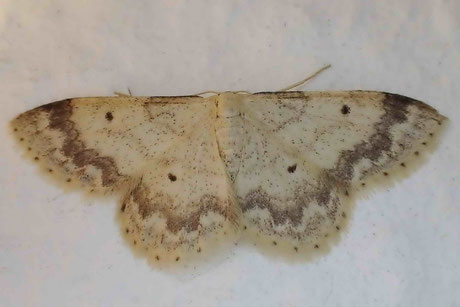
(280,168)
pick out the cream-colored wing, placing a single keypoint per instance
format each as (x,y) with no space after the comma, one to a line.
(183,205)
(306,153)
(160,151)
(104,142)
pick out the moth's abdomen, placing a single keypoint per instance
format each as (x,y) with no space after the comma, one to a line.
(230,139)
(230,132)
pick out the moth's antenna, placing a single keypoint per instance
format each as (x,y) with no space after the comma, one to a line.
(290,87)
(217,93)
(207,92)
(123,94)
(281,90)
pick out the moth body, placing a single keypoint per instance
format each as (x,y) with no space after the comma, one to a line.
(279,168)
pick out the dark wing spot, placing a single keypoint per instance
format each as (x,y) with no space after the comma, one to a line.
(69,180)
(157,257)
(123,207)
(274,243)
(403,164)
(345,109)
(108,116)
(385,173)
(177,259)
(416,153)
(36,159)
(291,169)
(60,113)
(172,177)
(316,246)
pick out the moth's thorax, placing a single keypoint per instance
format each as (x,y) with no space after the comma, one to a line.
(230,130)
(228,104)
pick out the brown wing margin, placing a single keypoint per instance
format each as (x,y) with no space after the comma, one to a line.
(52,139)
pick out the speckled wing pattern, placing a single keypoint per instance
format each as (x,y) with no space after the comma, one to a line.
(161,152)
(281,167)
(306,152)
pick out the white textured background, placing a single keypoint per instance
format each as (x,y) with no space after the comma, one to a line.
(57,249)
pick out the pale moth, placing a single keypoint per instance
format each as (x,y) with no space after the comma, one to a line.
(280,168)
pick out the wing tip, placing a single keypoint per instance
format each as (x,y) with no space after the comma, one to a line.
(402,102)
